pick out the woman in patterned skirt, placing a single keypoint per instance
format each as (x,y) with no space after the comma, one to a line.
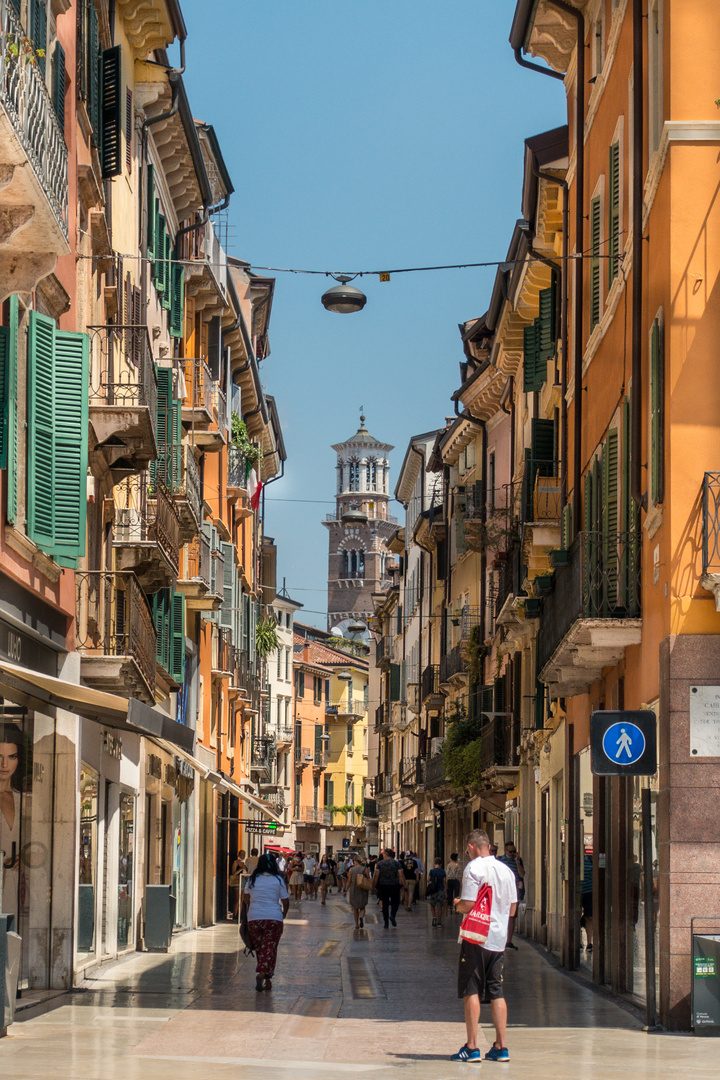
(267,897)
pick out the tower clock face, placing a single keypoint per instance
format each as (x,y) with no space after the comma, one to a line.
(344,626)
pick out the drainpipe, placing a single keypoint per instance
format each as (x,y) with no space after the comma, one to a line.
(421,455)
(579,237)
(466,415)
(206,212)
(509,392)
(636,399)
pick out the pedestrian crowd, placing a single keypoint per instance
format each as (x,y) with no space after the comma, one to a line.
(486,892)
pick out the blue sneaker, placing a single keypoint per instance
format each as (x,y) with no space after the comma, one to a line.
(464,1054)
(494,1054)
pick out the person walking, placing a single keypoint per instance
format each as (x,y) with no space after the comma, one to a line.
(480,970)
(325,873)
(586,899)
(513,860)
(296,875)
(436,892)
(238,868)
(410,870)
(357,892)
(389,879)
(453,872)
(309,866)
(267,898)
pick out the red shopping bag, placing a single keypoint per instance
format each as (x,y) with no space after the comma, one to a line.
(475,926)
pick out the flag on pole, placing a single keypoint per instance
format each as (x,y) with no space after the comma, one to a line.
(254,489)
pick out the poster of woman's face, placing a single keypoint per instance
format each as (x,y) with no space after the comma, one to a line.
(12,776)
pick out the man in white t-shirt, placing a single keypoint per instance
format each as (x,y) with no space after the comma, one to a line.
(309,865)
(480,972)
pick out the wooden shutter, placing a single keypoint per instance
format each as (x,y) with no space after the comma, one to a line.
(318,741)
(128,129)
(610,518)
(529,358)
(594,263)
(566,527)
(93,70)
(543,445)
(161,469)
(110,112)
(12,421)
(160,265)
(329,792)
(657,425)
(546,330)
(625,496)
(72,376)
(178,300)
(162,615)
(176,459)
(226,611)
(395,682)
(588,517)
(58,84)
(150,211)
(38,30)
(177,627)
(614,213)
(166,297)
(41,429)
(4,380)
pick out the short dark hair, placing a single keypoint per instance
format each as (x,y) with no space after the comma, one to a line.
(438,862)
(454,855)
(253,851)
(390,852)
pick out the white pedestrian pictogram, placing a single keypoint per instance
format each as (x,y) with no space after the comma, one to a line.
(624,743)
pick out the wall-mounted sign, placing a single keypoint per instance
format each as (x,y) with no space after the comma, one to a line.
(112,745)
(623,743)
(154,766)
(705,721)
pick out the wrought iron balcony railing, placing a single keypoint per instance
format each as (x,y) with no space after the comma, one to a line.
(188,494)
(471,617)
(122,368)
(114,619)
(199,386)
(711,523)
(453,663)
(430,681)
(29,108)
(220,407)
(223,653)
(382,714)
(510,578)
(145,516)
(237,468)
(498,743)
(196,560)
(315,815)
(434,770)
(382,650)
(411,773)
(601,581)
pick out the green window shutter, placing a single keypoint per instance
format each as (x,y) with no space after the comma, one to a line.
(530,352)
(395,682)
(160,253)
(614,213)
(301,684)
(566,527)
(38,30)
(72,378)
(167,291)
(58,84)
(94,59)
(588,504)
(110,112)
(610,516)
(594,263)
(12,421)
(159,606)
(226,611)
(178,300)
(150,210)
(4,380)
(318,738)
(626,500)
(176,463)
(177,620)
(160,469)
(329,793)
(547,333)
(41,431)
(543,445)
(657,426)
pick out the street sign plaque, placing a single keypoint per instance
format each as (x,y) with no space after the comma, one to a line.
(263,828)
(623,743)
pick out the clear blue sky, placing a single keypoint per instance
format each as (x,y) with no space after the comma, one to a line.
(386,133)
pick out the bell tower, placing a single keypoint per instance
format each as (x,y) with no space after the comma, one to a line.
(359,527)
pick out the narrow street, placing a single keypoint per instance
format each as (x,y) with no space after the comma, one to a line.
(342,1002)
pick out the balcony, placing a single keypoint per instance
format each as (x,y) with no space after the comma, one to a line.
(430,685)
(115,634)
(303,756)
(205,264)
(592,614)
(383,652)
(237,473)
(509,581)
(383,784)
(453,668)
(248,680)
(262,758)
(382,715)
(434,772)
(499,760)
(34,196)
(488,517)
(711,535)
(276,799)
(123,398)
(146,537)
(311,815)
(195,577)
(470,617)
(541,509)
(188,496)
(411,774)
(320,760)
(223,654)
(283,736)
(204,410)
(351,706)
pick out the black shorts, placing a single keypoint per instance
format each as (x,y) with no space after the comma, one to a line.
(586,902)
(480,972)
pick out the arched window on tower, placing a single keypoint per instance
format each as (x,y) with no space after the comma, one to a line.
(371,474)
(354,476)
(340,476)
(353,564)
(361,564)
(345,567)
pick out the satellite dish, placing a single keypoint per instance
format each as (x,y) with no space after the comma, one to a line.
(337,631)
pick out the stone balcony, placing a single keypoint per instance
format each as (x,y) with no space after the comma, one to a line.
(33,169)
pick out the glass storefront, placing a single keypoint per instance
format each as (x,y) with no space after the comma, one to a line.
(635,903)
(87,879)
(27,777)
(126,862)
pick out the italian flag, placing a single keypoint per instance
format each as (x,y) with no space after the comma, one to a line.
(254,489)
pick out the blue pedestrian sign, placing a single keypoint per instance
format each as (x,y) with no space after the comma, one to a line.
(623,743)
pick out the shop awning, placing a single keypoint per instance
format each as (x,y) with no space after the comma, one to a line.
(37,691)
(224,782)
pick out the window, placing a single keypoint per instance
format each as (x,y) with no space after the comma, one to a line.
(354,476)
(614,213)
(595,296)
(279,662)
(598,45)
(491,481)
(328,796)
(317,689)
(539,340)
(300,684)
(655,75)
(371,474)
(657,414)
(287,664)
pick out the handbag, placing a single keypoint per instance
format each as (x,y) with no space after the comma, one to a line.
(244,929)
(475,927)
(363,882)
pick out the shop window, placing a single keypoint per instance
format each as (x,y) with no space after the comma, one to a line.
(87,879)
(126,814)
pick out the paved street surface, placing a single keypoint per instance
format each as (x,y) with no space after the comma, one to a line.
(373,1002)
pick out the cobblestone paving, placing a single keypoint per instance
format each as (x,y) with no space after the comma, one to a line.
(370,1002)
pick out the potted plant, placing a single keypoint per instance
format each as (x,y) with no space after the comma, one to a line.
(560,557)
(266,639)
(543,584)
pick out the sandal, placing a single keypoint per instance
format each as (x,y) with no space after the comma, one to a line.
(259,983)
(268,983)
(434,922)
(362,925)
